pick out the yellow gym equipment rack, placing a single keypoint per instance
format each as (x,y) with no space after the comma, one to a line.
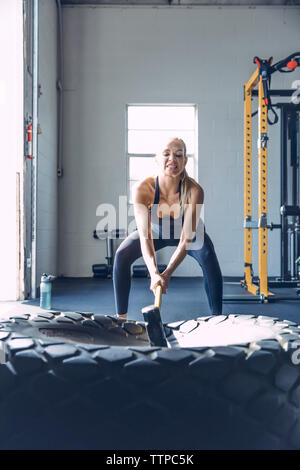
(261,78)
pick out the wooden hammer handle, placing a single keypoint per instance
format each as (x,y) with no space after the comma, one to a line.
(158,292)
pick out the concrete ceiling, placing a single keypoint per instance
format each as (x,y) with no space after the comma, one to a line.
(180,2)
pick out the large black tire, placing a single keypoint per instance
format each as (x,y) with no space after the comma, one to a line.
(78,381)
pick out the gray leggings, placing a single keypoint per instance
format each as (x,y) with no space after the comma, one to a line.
(130,250)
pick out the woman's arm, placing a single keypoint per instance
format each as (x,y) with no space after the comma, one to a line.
(191,219)
(143,222)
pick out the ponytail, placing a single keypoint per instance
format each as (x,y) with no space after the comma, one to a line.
(185,181)
(185,189)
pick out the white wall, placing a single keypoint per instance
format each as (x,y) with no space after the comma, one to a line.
(201,55)
(11,125)
(47,228)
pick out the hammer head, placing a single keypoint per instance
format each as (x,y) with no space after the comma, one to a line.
(154,326)
(151,313)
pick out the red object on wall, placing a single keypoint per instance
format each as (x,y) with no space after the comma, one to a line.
(29,141)
(292,64)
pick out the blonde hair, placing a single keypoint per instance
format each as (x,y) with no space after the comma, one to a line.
(186,184)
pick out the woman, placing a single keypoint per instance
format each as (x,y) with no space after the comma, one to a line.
(176,197)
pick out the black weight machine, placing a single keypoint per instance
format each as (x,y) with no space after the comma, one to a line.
(289,194)
(104,271)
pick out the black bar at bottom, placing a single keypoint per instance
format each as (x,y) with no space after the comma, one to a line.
(258,299)
(279,298)
(242,298)
(282,284)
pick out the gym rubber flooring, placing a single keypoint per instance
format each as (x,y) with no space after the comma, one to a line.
(186,299)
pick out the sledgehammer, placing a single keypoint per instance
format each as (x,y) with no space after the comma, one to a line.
(154,326)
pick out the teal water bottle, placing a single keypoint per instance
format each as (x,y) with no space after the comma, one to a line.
(45,291)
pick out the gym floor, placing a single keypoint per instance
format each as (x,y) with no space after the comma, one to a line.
(186,299)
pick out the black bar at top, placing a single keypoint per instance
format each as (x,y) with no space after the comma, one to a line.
(277,92)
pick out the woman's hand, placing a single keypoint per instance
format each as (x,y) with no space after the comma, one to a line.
(160,280)
(166,278)
(156,280)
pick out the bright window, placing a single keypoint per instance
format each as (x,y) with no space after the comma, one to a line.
(150,127)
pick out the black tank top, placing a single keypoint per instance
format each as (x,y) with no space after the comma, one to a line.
(171,219)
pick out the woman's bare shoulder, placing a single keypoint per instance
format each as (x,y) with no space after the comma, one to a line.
(144,190)
(195,185)
(196,190)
